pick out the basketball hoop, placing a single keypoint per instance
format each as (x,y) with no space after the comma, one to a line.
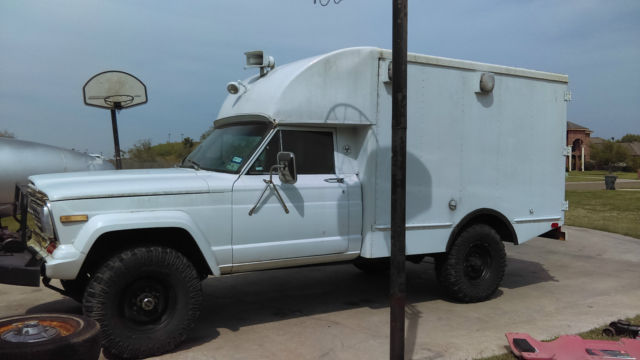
(114,90)
(118,101)
(117,89)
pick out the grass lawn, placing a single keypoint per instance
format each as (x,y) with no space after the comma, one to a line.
(613,211)
(598,175)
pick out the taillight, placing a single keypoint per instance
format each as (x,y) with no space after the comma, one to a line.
(555,225)
(52,247)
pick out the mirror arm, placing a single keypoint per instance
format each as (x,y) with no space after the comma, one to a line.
(269,183)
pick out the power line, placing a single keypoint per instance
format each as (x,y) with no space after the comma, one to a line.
(326,2)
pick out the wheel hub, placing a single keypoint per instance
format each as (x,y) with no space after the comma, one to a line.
(30,331)
(147,301)
(477,263)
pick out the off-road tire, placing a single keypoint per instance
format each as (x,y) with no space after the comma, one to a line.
(78,338)
(145,299)
(474,267)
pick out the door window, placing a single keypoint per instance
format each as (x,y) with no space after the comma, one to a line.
(313,151)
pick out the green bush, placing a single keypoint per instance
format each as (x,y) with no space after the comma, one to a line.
(609,155)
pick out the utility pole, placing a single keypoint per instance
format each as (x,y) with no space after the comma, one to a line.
(398,284)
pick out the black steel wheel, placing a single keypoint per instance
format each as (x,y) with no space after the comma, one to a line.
(49,337)
(474,267)
(608,331)
(145,299)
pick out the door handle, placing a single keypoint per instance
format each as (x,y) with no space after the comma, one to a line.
(334,180)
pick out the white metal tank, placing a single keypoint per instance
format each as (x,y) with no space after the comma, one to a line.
(20,159)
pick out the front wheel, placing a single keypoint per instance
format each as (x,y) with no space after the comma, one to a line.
(474,267)
(145,299)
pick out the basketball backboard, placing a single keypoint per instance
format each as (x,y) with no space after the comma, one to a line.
(114,90)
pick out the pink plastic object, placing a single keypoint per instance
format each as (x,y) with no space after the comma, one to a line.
(572,347)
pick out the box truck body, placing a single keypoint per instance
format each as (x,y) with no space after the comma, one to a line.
(469,153)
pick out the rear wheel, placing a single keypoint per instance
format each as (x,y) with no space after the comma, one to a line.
(474,267)
(145,299)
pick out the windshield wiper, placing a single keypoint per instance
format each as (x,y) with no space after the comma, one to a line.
(193,164)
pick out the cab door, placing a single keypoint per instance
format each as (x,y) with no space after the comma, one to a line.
(317,222)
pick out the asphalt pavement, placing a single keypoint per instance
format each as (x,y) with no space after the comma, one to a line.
(551,287)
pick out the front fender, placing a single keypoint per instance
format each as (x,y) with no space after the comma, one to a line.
(105,223)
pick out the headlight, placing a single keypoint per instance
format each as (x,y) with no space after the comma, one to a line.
(46,222)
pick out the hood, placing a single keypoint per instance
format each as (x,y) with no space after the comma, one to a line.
(120,183)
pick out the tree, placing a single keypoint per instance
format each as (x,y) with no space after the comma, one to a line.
(7,134)
(187,142)
(630,138)
(609,153)
(141,151)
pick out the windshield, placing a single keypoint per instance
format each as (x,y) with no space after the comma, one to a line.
(228,148)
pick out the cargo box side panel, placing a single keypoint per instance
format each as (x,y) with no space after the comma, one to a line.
(531,170)
(512,152)
(434,122)
(467,150)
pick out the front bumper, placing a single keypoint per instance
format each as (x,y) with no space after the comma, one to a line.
(20,268)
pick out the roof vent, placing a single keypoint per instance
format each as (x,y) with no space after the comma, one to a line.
(259,59)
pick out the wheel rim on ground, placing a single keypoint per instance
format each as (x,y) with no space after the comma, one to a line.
(36,330)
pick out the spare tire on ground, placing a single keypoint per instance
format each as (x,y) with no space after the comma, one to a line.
(49,336)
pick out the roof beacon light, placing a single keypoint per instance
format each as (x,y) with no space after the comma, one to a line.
(259,59)
(486,84)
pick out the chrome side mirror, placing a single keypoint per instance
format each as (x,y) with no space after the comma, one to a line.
(287,168)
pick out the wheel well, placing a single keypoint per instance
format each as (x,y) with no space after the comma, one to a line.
(111,243)
(485,216)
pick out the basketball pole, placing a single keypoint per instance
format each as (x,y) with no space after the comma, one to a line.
(116,141)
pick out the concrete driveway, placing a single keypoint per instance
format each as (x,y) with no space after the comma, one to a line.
(336,312)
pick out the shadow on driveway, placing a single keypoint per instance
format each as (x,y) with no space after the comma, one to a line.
(236,301)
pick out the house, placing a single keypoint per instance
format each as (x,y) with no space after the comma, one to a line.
(579,139)
(633,148)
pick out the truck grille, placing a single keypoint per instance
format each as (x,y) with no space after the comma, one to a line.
(35,206)
(37,200)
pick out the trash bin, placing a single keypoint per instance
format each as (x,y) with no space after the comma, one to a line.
(610,182)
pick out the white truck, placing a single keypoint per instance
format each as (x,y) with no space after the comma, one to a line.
(297,172)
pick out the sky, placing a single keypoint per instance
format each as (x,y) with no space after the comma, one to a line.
(187,51)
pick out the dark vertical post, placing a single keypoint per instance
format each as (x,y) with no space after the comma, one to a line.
(116,141)
(398,178)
